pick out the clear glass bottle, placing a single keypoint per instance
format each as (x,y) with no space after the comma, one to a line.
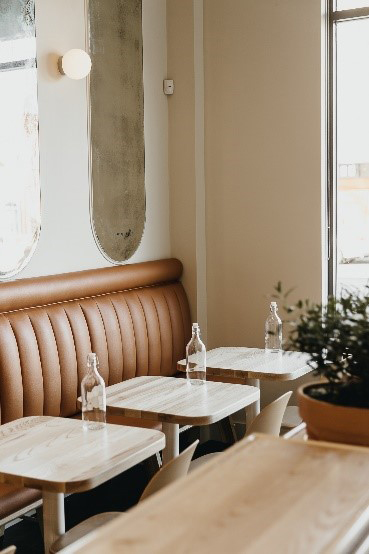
(93,396)
(196,358)
(273,330)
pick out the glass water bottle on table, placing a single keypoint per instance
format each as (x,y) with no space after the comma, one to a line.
(93,396)
(196,358)
(273,330)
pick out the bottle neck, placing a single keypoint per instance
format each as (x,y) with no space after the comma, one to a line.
(93,369)
(196,331)
(92,364)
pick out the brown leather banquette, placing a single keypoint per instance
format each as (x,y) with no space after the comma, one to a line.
(135,317)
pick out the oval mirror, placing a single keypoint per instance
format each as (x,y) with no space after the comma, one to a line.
(117,151)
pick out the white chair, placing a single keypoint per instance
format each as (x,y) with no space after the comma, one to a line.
(269,421)
(173,470)
(291,418)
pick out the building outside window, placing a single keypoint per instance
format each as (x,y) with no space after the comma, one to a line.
(349,145)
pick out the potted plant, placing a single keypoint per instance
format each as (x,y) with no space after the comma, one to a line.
(336,336)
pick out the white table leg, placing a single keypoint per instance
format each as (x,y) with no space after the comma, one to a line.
(254,409)
(171,450)
(54,520)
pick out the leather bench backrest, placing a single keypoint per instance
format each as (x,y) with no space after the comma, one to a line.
(135,317)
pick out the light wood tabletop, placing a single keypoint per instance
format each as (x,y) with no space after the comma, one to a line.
(58,456)
(254,363)
(250,365)
(263,495)
(175,401)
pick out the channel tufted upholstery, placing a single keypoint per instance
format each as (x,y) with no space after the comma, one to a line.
(135,317)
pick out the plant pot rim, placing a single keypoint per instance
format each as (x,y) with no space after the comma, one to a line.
(314,384)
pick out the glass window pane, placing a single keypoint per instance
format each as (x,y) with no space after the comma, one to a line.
(352,4)
(19,154)
(352,153)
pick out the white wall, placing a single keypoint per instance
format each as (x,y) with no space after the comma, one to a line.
(66,242)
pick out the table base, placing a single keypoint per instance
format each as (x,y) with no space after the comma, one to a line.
(253,409)
(53,516)
(171,432)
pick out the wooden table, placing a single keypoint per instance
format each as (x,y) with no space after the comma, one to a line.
(58,456)
(253,364)
(175,401)
(263,495)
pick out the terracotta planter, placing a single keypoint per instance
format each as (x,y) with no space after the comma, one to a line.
(330,422)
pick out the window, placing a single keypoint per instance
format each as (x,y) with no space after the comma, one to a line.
(349,145)
(19,156)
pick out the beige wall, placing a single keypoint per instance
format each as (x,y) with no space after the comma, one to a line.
(262,156)
(181,110)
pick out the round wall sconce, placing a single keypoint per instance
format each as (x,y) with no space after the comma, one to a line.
(75,64)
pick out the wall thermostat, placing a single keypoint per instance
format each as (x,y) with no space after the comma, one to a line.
(168,86)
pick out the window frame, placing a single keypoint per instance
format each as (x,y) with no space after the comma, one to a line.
(333,17)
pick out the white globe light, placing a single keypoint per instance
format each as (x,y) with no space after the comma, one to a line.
(75,64)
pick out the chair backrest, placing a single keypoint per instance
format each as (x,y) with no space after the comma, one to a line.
(176,468)
(8,550)
(269,420)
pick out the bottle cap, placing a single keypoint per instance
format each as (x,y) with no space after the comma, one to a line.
(195,326)
(91,358)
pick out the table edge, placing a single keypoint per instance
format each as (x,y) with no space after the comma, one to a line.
(248,374)
(252,397)
(80,485)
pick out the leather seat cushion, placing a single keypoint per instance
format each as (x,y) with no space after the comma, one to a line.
(13,499)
